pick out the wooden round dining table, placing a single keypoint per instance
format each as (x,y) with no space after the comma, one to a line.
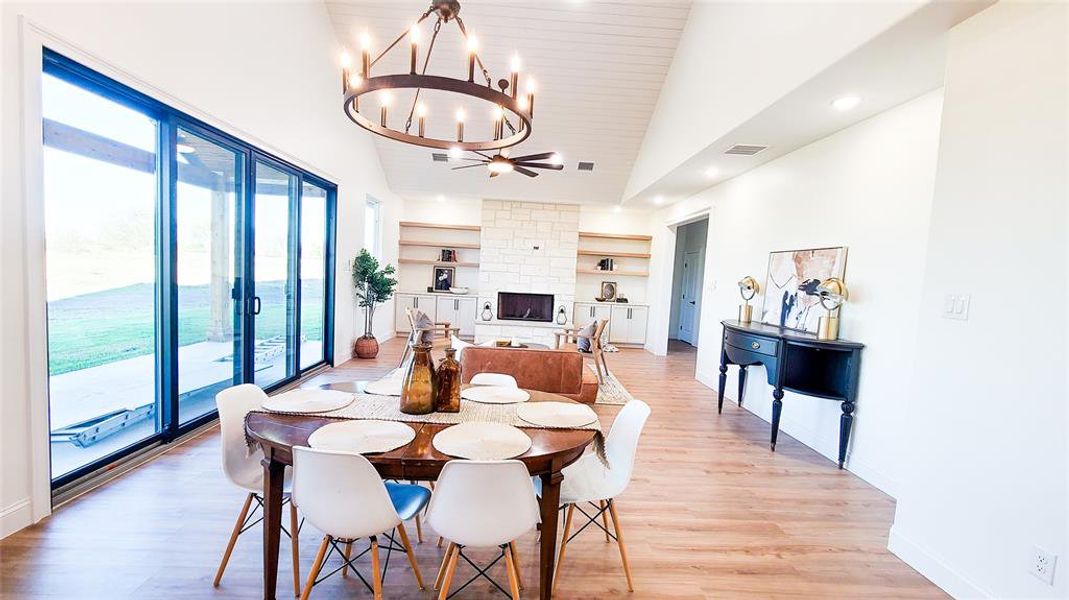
(277,434)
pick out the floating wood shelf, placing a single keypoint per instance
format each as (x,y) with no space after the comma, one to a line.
(437,263)
(440,226)
(623,273)
(614,254)
(468,246)
(615,236)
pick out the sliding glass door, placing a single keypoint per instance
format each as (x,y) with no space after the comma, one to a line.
(180,261)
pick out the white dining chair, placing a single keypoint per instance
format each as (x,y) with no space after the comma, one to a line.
(342,495)
(482,504)
(243,468)
(589,481)
(498,379)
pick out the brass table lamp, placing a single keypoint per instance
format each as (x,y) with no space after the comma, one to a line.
(748,289)
(833,294)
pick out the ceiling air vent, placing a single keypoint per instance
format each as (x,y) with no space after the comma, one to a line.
(745,150)
(439,157)
(585,166)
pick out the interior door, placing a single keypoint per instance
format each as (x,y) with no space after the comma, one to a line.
(688,307)
(272,299)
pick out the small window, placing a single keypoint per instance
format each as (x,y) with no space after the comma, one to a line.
(373,227)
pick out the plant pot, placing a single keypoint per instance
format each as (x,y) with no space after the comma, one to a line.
(366,346)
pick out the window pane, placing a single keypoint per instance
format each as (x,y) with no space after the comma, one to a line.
(274,264)
(100,199)
(372,228)
(208,223)
(313,271)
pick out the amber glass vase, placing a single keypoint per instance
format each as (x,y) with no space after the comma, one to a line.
(419,387)
(448,383)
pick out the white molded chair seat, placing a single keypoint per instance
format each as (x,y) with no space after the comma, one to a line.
(342,494)
(498,379)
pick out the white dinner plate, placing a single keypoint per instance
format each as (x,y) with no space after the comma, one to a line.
(363,437)
(556,414)
(384,387)
(494,394)
(308,401)
(482,441)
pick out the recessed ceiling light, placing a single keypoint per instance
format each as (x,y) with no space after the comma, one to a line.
(185,148)
(846,102)
(616,208)
(440,198)
(712,172)
(658,199)
(455,152)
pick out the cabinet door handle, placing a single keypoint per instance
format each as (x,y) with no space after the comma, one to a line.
(415,302)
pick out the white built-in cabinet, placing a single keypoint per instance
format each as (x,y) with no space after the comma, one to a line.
(457,311)
(627,322)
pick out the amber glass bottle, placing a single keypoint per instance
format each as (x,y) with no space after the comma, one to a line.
(419,387)
(448,383)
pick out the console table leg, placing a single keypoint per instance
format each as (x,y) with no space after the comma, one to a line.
(777,408)
(845,422)
(723,382)
(742,384)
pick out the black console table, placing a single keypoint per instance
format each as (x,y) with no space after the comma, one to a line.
(796,361)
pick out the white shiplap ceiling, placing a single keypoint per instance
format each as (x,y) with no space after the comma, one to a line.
(598,67)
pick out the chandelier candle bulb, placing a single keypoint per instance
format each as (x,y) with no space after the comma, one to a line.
(386,99)
(421,112)
(515,78)
(345,74)
(473,45)
(413,37)
(530,97)
(460,124)
(365,55)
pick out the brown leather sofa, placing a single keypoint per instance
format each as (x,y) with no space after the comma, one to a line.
(554,371)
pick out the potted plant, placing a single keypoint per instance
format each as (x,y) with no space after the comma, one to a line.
(373,286)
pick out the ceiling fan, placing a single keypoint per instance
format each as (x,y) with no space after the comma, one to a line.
(501,163)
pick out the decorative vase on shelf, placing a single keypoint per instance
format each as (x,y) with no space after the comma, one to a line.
(448,397)
(487,313)
(419,386)
(562,318)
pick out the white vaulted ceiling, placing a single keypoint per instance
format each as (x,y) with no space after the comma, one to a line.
(598,66)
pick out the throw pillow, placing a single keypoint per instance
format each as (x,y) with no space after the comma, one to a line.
(422,321)
(583,343)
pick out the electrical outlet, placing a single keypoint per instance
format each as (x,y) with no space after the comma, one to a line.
(956,306)
(1042,565)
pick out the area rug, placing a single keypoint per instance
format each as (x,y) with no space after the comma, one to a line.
(611,391)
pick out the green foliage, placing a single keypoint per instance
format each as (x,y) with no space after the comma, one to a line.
(373,286)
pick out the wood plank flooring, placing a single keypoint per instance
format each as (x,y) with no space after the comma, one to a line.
(711,513)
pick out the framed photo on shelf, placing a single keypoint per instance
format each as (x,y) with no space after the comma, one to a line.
(444,278)
(608,291)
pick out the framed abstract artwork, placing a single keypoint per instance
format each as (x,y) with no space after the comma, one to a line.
(443,278)
(792,279)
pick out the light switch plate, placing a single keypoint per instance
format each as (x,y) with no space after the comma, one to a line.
(956,306)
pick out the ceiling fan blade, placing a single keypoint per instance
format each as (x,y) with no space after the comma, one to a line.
(540,166)
(524,171)
(467,167)
(541,156)
(466,158)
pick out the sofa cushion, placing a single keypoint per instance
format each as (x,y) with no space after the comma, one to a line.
(583,343)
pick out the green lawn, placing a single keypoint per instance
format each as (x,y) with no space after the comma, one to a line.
(103,327)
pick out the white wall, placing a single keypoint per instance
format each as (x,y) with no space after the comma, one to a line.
(264,72)
(736,58)
(868,187)
(604,219)
(985,477)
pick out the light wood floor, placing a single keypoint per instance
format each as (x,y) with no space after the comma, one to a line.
(711,513)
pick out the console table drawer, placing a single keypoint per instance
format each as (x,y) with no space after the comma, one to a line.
(751,343)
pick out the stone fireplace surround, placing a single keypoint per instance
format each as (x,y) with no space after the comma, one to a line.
(526,247)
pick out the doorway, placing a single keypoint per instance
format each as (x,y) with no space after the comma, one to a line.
(687,279)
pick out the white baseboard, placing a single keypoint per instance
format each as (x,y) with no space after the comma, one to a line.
(933,567)
(15,517)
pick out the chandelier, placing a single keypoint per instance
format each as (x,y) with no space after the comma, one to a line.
(512,112)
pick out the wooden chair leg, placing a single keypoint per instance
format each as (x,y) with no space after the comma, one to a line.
(444,592)
(563,545)
(419,529)
(604,365)
(604,519)
(445,565)
(439,541)
(295,549)
(316,566)
(347,554)
(516,564)
(620,543)
(233,538)
(376,573)
(510,565)
(408,550)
